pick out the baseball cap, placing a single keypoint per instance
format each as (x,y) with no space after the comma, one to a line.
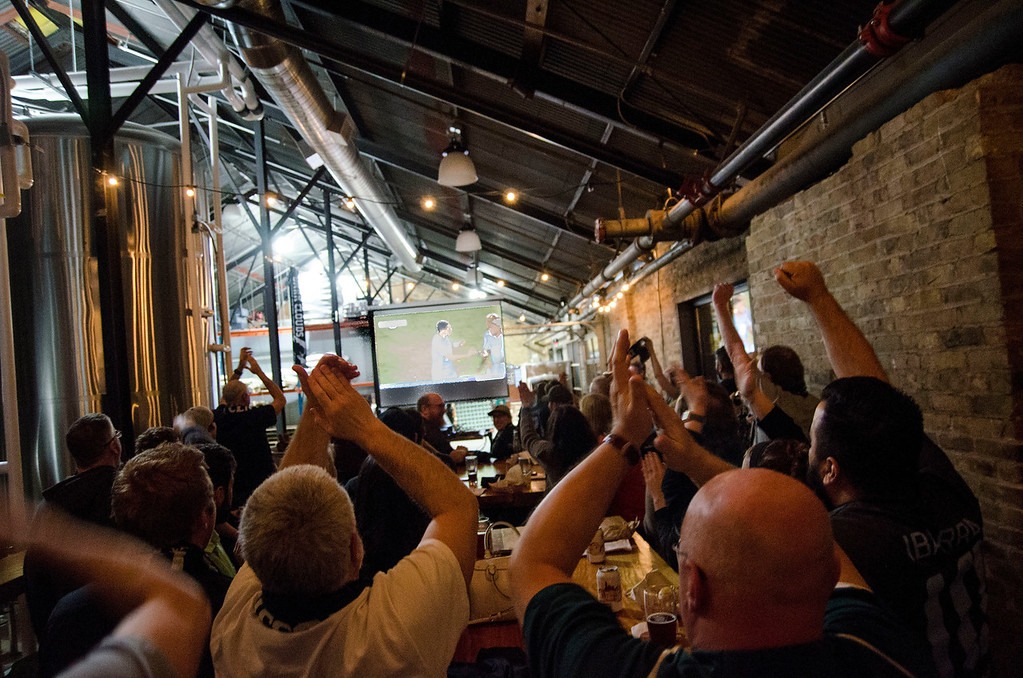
(500,409)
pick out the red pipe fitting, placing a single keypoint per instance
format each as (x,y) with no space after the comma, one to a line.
(878,37)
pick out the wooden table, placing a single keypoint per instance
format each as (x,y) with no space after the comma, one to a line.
(524,498)
(632,566)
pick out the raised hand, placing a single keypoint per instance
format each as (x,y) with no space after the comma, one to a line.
(243,357)
(802,280)
(526,396)
(653,476)
(338,408)
(692,389)
(628,395)
(722,294)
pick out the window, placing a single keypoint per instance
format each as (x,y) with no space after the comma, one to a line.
(700,335)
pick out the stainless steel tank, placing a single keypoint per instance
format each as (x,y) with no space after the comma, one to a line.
(55,291)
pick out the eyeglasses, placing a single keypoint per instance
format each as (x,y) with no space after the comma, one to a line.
(117,436)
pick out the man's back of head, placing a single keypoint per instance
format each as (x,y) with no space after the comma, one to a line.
(164,496)
(783,366)
(298,533)
(235,393)
(558,395)
(874,432)
(154,436)
(755,549)
(88,441)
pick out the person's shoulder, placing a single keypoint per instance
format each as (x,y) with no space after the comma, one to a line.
(867,632)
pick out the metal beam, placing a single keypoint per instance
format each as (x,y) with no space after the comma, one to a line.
(269,287)
(350,59)
(51,58)
(299,199)
(413,34)
(157,71)
(398,160)
(328,225)
(532,47)
(491,249)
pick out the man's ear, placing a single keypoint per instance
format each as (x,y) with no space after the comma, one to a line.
(219,495)
(696,593)
(831,472)
(358,553)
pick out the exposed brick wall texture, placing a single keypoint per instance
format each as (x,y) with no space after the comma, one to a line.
(650,307)
(918,236)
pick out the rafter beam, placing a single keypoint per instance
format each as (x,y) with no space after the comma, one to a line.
(349,59)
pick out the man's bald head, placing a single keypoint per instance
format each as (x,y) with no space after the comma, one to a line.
(763,545)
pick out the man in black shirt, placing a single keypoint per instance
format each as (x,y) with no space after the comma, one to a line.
(241,428)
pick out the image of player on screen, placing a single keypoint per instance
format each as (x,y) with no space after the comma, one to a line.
(493,346)
(442,353)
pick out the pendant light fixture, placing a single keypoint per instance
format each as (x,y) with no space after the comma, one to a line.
(456,167)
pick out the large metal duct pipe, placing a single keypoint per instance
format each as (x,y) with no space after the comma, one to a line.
(286,75)
(938,62)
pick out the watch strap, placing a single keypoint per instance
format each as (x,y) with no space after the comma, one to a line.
(628,449)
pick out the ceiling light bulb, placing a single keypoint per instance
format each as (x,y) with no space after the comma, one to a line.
(545,276)
(511,197)
(619,295)
(626,287)
(455,287)
(428,203)
(500,283)
(112,180)
(522,318)
(190,191)
(350,204)
(271,199)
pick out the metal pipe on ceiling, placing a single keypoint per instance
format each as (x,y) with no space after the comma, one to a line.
(948,62)
(287,76)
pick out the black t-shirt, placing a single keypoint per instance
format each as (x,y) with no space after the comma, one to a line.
(922,555)
(569,633)
(244,433)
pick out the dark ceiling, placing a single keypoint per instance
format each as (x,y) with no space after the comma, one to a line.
(587,108)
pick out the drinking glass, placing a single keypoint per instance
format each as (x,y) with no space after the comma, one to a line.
(526,466)
(661,607)
(471,469)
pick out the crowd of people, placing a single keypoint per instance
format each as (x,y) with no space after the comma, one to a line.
(842,541)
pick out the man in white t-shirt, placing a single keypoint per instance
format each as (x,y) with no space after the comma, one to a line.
(298,607)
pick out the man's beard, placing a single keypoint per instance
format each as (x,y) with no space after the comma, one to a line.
(816,483)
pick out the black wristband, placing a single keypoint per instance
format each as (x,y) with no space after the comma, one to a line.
(238,372)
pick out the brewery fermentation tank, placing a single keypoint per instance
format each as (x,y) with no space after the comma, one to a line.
(55,290)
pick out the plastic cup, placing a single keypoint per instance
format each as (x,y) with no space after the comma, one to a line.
(661,607)
(471,469)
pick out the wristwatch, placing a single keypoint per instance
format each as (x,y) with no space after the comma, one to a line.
(628,449)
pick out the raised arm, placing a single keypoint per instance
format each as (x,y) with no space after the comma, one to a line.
(163,607)
(745,371)
(850,353)
(269,384)
(569,515)
(345,414)
(663,380)
(682,453)
(310,443)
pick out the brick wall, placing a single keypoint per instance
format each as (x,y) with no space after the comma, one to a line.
(650,307)
(919,238)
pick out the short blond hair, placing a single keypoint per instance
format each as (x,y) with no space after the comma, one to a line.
(160,494)
(234,392)
(296,532)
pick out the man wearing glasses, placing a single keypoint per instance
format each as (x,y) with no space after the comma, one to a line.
(95,446)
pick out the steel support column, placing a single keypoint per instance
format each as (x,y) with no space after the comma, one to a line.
(328,225)
(270,281)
